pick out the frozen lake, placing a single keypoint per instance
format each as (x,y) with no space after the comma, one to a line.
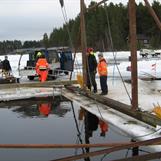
(23,122)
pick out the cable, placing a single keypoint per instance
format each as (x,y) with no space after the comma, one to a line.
(76,123)
(110,35)
(64,13)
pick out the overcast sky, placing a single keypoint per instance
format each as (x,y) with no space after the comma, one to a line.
(30,19)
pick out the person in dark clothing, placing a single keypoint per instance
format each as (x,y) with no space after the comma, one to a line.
(91,124)
(91,70)
(6,67)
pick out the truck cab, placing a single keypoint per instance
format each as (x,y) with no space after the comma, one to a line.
(59,58)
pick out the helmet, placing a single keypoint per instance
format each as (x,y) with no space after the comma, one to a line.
(39,54)
(89,50)
(100,54)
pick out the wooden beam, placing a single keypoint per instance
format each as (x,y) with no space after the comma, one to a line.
(121,107)
(83,42)
(61,146)
(47,84)
(133,49)
(156,155)
(96,5)
(153,14)
(110,150)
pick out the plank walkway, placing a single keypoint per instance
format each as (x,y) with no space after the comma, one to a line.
(130,126)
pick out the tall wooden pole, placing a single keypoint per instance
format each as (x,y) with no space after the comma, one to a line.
(83,42)
(133,49)
(153,14)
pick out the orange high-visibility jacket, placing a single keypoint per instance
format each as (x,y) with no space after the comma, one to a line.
(42,64)
(102,67)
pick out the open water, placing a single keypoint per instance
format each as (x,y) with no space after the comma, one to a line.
(52,121)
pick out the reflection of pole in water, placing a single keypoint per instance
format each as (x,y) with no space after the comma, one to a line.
(135,150)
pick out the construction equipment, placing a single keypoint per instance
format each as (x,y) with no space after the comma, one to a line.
(59,58)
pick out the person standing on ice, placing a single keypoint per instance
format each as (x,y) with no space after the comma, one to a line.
(102,71)
(91,70)
(42,68)
(6,67)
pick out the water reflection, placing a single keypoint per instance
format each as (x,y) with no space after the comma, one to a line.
(92,123)
(39,108)
(44,109)
(56,127)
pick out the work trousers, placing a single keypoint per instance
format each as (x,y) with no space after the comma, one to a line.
(91,80)
(43,74)
(103,83)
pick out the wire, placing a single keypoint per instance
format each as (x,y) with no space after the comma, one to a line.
(76,123)
(110,35)
(64,13)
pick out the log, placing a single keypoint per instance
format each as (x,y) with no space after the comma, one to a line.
(119,106)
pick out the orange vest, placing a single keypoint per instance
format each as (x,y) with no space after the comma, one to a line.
(42,64)
(102,67)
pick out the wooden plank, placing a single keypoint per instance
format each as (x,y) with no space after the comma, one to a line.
(121,107)
(38,84)
(113,149)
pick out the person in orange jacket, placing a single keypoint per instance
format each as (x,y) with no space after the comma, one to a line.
(102,71)
(42,68)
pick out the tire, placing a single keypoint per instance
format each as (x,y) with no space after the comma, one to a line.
(31,77)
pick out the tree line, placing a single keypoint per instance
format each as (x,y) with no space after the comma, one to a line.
(107,28)
(7,47)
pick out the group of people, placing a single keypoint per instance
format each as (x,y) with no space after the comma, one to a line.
(92,68)
(6,67)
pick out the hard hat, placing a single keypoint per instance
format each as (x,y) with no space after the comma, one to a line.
(89,50)
(39,54)
(100,54)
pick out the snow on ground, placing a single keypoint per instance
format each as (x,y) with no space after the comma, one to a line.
(148,90)
(148,94)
